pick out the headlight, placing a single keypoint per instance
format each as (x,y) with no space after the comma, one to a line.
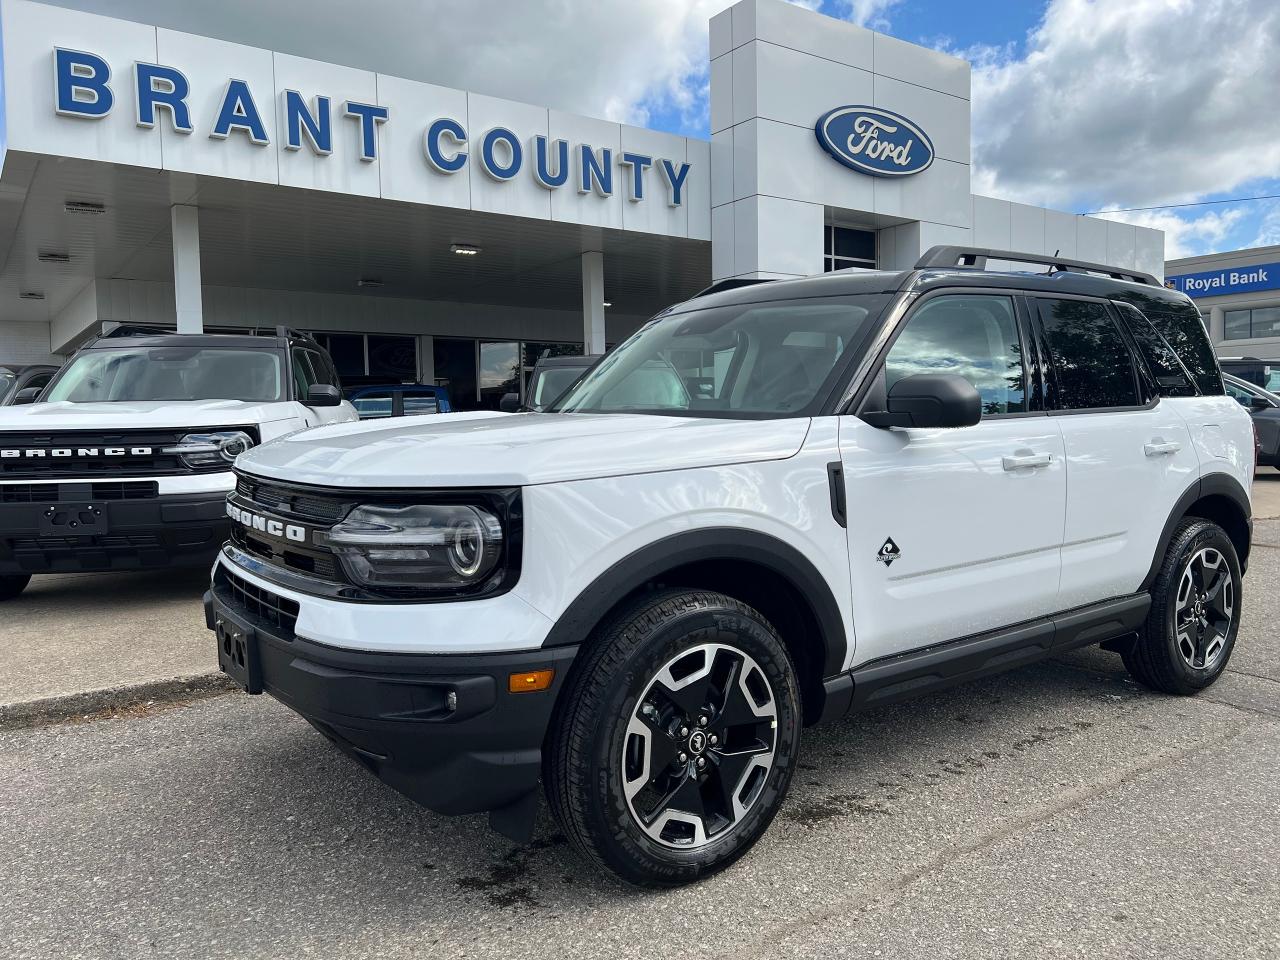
(436,548)
(204,450)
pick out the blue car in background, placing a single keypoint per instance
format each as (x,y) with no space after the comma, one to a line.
(399,400)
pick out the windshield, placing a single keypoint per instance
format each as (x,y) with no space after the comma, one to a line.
(552,382)
(170,373)
(756,359)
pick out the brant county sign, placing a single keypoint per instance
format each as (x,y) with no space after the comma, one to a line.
(874,141)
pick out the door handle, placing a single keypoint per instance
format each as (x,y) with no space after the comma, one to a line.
(1023,461)
(1161,448)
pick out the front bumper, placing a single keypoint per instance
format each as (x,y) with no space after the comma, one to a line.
(68,528)
(480,749)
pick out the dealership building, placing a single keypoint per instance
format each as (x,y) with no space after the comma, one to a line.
(433,234)
(1238,294)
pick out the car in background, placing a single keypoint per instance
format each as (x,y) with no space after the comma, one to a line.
(1264,407)
(399,400)
(550,379)
(16,378)
(1259,372)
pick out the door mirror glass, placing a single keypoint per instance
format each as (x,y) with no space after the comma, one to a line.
(323,395)
(930,401)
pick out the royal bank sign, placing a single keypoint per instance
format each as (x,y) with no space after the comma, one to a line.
(84,89)
(874,141)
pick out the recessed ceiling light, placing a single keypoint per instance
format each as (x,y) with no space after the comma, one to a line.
(464,249)
(372,282)
(48,256)
(31,295)
(608,303)
(84,206)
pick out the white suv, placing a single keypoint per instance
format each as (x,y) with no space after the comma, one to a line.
(772,505)
(126,463)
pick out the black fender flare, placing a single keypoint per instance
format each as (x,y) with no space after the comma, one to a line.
(1211,484)
(650,562)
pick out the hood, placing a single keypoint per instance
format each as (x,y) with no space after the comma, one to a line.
(178,414)
(455,450)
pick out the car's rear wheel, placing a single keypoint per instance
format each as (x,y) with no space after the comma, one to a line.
(677,739)
(1191,629)
(12,585)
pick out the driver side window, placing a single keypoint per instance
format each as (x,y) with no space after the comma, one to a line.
(972,336)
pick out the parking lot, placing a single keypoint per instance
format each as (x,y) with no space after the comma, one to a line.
(1056,811)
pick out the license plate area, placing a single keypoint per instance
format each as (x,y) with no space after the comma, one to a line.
(75,519)
(238,652)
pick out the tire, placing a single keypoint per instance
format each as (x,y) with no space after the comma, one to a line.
(12,585)
(1186,641)
(616,748)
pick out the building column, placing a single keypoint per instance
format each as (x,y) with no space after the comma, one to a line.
(186,268)
(593,302)
(1217,326)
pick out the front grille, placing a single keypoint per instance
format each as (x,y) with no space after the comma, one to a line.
(260,604)
(292,502)
(73,460)
(63,492)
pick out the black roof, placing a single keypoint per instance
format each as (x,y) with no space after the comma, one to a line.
(21,368)
(230,341)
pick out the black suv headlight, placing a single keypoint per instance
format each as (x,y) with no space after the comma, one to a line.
(201,451)
(444,548)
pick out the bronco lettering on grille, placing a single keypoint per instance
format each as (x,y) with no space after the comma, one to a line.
(275,528)
(34,453)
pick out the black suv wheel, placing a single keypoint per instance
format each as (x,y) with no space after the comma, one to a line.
(1195,612)
(676,740)
(11,586)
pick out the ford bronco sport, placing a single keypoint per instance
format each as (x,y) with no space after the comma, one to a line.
(885,483)
(127,462)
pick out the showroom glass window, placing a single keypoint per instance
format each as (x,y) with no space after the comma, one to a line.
(844,247)
(1092,367)
(975,337)
(1251,324)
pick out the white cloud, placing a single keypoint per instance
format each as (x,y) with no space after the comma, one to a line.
(1131,101)
(1185,235)
(868,13)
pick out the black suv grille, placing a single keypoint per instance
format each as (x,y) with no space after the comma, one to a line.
(291,503)
(62,492)
(280,612)
(83,454)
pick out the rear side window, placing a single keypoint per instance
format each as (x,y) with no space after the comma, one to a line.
(1180,324)
(1171,378)
(1092,367)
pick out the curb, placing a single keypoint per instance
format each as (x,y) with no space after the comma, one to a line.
(95,704)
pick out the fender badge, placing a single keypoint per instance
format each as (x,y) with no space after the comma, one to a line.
(889,552)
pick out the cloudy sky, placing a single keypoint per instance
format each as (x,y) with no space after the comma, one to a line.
(1080,105)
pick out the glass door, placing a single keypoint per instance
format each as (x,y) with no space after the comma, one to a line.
(500,370)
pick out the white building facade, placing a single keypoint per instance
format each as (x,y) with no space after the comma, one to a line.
(433,234)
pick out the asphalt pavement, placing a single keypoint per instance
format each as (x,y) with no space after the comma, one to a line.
(1056,811)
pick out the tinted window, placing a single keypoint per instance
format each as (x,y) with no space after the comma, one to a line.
(372,405)
(419,404)
(393,358)
(1163,363)
(1238,394)
(1092,365)
(1179,323)
(972,337)
(550,383)
(322,369)
(303,375)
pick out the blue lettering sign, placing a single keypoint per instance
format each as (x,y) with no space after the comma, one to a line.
(489,160)
(80,84)
(542,163)
(675,177)
(1216,283)
(874,141)
(369,115)
(239,112)
(595,174)
(298,119)
(434,148)
(162,87)
(638,163)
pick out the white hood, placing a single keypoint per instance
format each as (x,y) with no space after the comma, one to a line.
(516,450)
(123,415)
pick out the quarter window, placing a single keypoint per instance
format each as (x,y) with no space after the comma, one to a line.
(1170,376)
(1092,365)
(975,337)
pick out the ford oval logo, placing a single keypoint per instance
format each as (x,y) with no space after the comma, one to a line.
(874,141)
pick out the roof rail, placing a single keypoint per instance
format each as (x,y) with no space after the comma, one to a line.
(976,258)
(731,284)
(134,330)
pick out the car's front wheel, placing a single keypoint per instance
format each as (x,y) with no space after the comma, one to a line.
(677,739)
(11,586)
(1195,612)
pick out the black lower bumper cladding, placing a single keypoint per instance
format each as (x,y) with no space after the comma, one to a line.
(443,729)
(71,531)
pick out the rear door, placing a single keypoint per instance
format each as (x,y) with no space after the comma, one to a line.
(954,532)
(1129,455)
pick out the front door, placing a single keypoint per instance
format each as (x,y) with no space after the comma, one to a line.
(954,532)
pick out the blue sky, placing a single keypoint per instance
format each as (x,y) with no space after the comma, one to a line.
(1078,105)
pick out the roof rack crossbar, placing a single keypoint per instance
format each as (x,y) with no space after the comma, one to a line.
(976,258)
(733,283)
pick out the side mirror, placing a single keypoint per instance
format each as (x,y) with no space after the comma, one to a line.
(1257,403)
(930,400)
(27,395)
(323,395)
(510,403)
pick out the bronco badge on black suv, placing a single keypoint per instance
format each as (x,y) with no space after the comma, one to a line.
(770,506)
